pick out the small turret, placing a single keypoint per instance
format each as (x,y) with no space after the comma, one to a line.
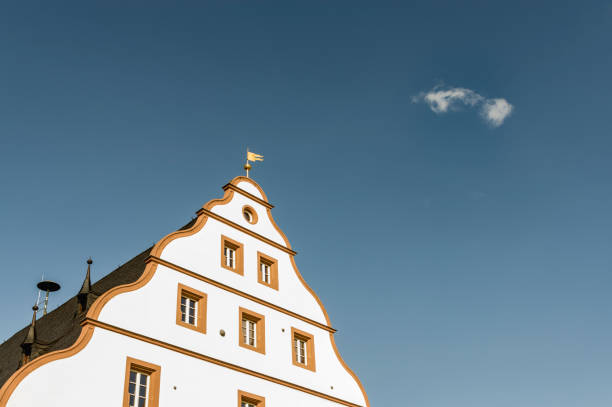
(85,294)
(30,340)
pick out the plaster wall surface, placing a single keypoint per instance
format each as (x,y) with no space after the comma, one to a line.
(201,253)
(233,212)
(95,378)
(159,298)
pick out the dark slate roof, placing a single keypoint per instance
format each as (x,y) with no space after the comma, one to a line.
(60,328)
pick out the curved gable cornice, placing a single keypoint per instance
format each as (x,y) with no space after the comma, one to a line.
(93,313)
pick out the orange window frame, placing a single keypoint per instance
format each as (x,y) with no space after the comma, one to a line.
(260,330)
(244,397)
(273,263)
(252,212)
(201,298)
(154,373)
(238,248)
(310,349)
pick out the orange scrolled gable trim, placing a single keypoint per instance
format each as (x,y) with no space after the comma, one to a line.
(248,195)
(94,311)
(197,226)
(11,384)
(96,307)
(327,319)
(150,269)
(241,178)
(148,274)
(201,220)
(235,183)
(348,370)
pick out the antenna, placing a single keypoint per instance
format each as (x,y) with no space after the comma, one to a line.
(42,278)
(49,287)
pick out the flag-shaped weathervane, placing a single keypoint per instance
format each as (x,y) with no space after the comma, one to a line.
(251,157)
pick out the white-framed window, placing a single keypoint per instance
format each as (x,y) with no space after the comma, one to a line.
(249,331)
(300,351)
(138,389)
(189,310)
(264,269)
(230,257)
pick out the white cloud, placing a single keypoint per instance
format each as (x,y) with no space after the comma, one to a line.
(441,100)
(494,111)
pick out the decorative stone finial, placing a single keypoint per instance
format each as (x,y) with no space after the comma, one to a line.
(31,335)
(86,287)
(29,342)
(85,291)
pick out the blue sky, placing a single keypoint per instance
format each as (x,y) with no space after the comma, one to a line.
(464,264)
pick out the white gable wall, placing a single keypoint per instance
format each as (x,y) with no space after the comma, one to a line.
(201,253)
(95,378)
(151,311)
(159,297)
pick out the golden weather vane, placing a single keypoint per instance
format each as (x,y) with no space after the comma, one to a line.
(251,157)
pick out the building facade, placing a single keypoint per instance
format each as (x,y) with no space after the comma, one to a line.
(215,314)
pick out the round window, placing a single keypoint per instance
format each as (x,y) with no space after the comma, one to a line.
(249,214)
